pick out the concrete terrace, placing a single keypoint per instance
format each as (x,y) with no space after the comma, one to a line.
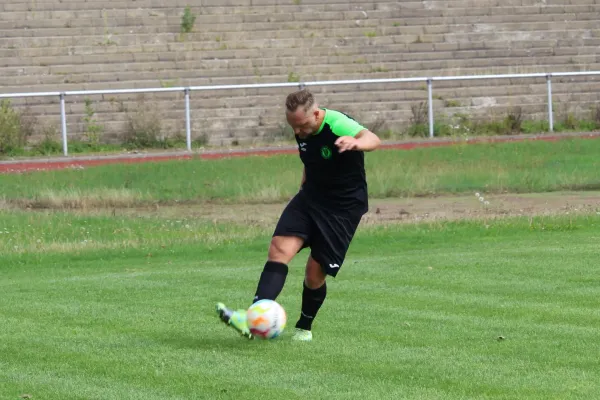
(52,45)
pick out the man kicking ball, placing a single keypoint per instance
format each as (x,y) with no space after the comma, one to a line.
(323,215)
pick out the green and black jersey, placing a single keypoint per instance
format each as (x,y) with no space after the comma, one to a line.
(334,181)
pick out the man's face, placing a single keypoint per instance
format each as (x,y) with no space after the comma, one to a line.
(304,123)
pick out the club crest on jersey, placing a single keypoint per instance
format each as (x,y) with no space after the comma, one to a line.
(325,152)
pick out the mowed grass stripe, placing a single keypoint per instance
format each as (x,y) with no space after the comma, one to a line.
(570,164)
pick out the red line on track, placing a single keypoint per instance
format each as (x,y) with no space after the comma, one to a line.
(45,165)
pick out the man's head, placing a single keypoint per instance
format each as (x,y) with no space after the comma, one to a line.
(302,113)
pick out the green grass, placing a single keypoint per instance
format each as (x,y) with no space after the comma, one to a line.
(509,167)
(103,307)
(48,147)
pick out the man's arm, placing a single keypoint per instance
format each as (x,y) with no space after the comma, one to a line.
(367,140)
(352,135)
(364,140)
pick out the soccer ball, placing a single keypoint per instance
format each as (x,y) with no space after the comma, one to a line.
(266,319)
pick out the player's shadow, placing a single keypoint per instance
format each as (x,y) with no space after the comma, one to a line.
(233,343)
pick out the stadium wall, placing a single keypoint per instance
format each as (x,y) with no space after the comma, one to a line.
(58,45)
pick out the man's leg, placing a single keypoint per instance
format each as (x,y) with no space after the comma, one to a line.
(313,296)
(290,236)
(331,238)
(271,282)
(281,251)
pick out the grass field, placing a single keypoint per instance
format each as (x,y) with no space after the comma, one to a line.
(120,305)
(507,167)
(115,308)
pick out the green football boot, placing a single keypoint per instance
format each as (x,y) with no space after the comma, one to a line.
(302,335)
(235,319)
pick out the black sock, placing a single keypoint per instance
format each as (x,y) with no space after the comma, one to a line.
(271,281)
(312,300)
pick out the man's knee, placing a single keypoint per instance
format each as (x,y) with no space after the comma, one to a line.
(283,248)
(315,274)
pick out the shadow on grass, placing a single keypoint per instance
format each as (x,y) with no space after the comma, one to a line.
(225,341)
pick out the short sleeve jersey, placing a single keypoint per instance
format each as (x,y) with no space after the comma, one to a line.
(334,181)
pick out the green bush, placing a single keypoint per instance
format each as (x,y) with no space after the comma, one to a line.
(93,130)
(50,144)
(418,130)
(187,20)
(14,129)
(533,126)
(143,128)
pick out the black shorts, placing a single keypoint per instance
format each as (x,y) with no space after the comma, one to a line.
(328,235)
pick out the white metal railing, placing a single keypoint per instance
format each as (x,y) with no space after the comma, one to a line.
(188,90)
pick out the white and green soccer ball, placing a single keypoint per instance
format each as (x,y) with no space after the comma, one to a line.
(266,319)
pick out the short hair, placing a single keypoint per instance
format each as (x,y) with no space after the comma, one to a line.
(301,98)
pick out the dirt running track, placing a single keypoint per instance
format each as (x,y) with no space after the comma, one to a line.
(25,165)
(391,210)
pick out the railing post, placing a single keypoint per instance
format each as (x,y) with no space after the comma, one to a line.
(430,105)
(550,112)
(188,124)
(63,122)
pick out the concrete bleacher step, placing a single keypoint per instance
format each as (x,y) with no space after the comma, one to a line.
(218,118)
(179,73)
(246,130)
(426,52)
(132,44)
(376,96)
(344,88)
(64,23)
(390,100)
(218,6)
(193,49)
(158,56)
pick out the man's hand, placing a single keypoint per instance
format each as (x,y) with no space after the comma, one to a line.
(345,143)
(365,140)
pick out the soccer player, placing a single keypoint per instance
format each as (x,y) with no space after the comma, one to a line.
(323,215)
